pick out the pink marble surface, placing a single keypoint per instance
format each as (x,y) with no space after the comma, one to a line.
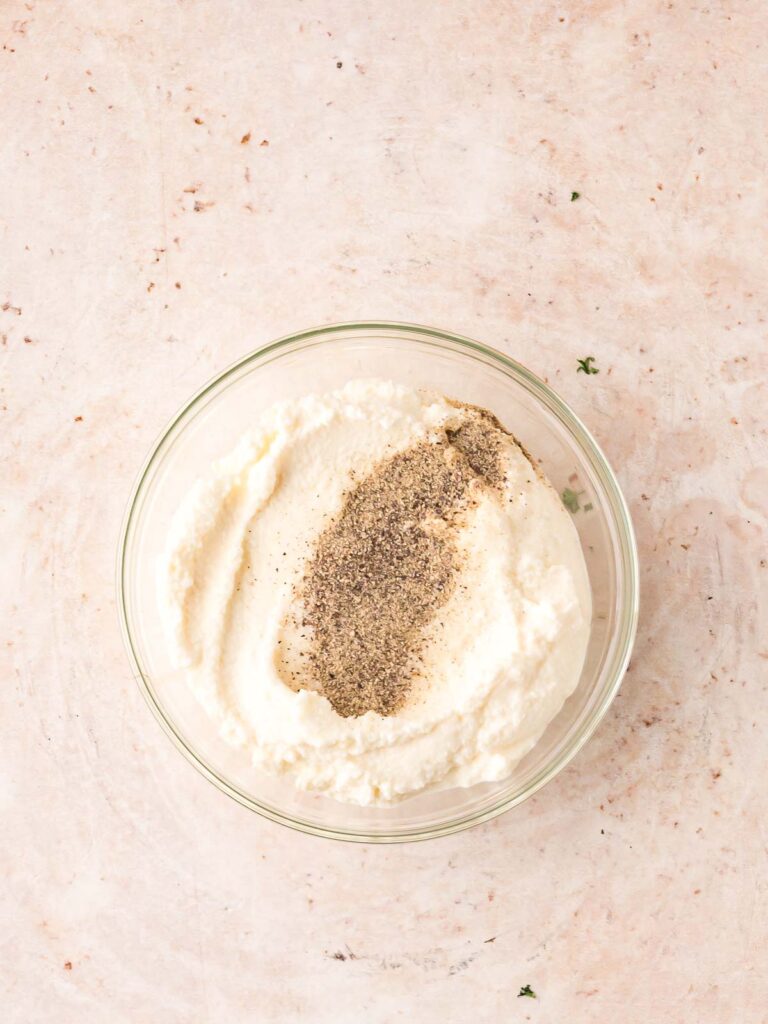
(180,182)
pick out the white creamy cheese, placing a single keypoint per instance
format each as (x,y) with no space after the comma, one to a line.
(512,638)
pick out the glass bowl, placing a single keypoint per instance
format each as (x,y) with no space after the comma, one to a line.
(319,360)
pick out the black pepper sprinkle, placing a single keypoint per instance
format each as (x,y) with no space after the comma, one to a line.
(387,563)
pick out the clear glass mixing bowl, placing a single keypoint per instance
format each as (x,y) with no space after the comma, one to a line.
(211,423)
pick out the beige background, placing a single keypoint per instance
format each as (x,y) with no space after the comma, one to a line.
(180,182)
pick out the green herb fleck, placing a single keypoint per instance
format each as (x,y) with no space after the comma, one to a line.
(588,507)
(571,499)
(526,990)
(575,196)
(586,367)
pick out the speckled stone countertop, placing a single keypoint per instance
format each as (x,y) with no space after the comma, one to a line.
(181,182)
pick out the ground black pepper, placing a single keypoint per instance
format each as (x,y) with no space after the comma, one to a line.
(388,562)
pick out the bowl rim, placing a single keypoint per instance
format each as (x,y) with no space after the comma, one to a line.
(627,624)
